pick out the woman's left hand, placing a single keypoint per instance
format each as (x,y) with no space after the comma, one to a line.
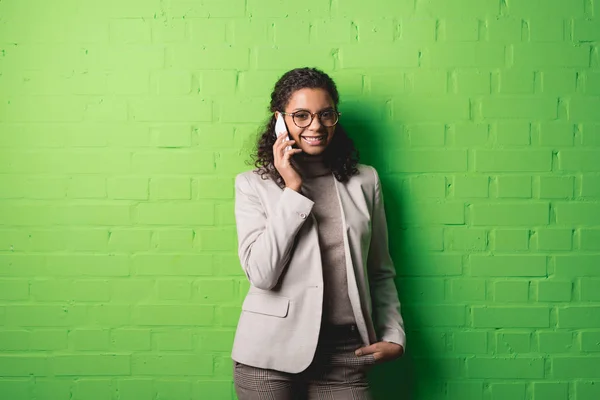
(382,351)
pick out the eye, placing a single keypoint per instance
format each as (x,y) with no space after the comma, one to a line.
(302,116)
(327,115)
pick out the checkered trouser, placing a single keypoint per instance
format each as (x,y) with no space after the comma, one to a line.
(336,373)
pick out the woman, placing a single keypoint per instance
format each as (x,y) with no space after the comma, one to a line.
(322,305)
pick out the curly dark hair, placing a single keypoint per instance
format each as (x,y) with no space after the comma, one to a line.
(340,156)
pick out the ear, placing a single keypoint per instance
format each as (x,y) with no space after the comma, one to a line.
(276,114)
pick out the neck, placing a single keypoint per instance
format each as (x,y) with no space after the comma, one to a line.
(311,166)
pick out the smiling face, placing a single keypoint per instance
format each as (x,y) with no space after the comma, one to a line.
(315,138)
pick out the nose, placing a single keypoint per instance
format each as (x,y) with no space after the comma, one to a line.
(316,120)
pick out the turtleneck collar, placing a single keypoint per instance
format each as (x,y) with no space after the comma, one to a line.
(311,166)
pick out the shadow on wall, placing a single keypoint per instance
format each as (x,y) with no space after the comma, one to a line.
(374,135)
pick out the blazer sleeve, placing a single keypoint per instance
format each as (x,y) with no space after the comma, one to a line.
(386,305)
(266,239)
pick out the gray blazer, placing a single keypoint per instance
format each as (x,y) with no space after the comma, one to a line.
(279,252)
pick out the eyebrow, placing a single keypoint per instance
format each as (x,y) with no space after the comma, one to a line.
(305,109)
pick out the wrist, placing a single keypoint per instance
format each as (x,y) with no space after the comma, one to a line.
(295,188)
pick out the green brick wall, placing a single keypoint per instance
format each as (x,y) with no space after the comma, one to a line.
(123,124)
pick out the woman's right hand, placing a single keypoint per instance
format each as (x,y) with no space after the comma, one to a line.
(290,176)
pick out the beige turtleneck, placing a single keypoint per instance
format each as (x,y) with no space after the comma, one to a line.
(319,186)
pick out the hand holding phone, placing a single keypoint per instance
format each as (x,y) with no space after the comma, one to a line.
(282,156)
(281,129)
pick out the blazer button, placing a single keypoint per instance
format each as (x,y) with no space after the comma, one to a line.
(302,215)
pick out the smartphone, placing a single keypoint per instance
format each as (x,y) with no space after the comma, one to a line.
(281,129)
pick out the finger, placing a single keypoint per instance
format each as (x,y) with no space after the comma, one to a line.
(289,153)
(366,350)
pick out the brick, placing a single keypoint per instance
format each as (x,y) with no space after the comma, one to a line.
(513,133)
(23,365)
(473,82)
(510,214)
(88,265)
(215,57)
(519,107)
(89,339)
(175,213)
(590,239)
(513,343)
(467,289)
(170,109)
(218,84)
(13,289)
(219,341)
(171,136)
(447,264)
(387,56)
(590,341)
(508,265)
(48,339)
(426,134)
(466,239)
(92,388)
(91,290)
(465,390)
(514,391)
(171,188)
(554,187)
(165,365)
(170,265)
(172,31)
(173,289)
(428,186)
(284,58)
(592,82)
(98,365)
(511,291)
(513,161)
(554,239)
(421,238)
(555,342)
(206,9)
(427,81)
(376,30)
(504,30)
(130,31)
(429,161)
(419,108)
(212,388)
(130,339)
(575,266)
(50,389)
(16,389)
(514,186)
(129,240)
(516,82)
(554,291)
(590,289)
(586,31)
(550,55)
(13,340)
(173,161)
(511,317)
(184,315)
(435,213)
(558,82)
(208,31)
(86,187)
(438,315)
(575,367)
(556,134)
(287,31)
(584,109)
(214,290)
(471,186)
(464,55)
(590,186)
(42,315)
(577,213)
(173,389)
(587,390)
(130,389)
(174,239)
(544,29)
(579,160)
(505,368)
(426,290)
(174,340)
(109,315)
(578,317)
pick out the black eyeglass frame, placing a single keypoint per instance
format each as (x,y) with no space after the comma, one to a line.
(312,117)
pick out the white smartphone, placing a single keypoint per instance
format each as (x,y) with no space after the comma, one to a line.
(281,129)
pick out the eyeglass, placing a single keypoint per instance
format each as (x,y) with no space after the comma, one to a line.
(304,118)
